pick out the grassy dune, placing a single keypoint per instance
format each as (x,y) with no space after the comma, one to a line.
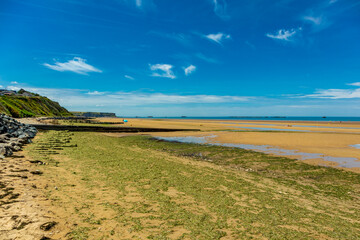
(17,106)
(138,188)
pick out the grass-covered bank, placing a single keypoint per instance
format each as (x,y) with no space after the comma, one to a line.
(135,188)
(19,106)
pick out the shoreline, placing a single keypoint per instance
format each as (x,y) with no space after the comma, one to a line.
(327,139)
(126,185)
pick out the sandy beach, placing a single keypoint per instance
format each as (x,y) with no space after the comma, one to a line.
(101,185)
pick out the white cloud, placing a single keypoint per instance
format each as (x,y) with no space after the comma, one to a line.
(77,65)
(96,93)
(165,104)
(129,77)
(13,88)
(218,37)
(162,70)
(77,98)
(285,35)
(357,84)
(220,9)
(335,94)
(14,82)
(190,69)
(1,87)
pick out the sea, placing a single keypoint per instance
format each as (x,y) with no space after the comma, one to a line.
(272,118)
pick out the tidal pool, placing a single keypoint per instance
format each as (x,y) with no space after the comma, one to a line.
(345,162)
(356,146)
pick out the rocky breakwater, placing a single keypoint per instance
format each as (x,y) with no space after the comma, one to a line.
(13,135)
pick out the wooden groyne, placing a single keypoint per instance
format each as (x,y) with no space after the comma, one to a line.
(73,128)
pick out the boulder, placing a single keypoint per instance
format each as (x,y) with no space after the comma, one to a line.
(13,135)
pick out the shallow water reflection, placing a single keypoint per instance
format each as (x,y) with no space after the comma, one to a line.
(356,146)
(287,125)
(345,162)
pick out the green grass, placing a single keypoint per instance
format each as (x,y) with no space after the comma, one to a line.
(18,106)
(208,191)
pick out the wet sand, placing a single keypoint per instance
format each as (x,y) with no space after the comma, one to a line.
(330,139)
(208,125)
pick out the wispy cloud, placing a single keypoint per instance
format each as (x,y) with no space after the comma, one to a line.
(250,45)
(139,4)
(167,104)
(218,37)
(319,22)
(95,93)
(162,70)
(129,77)
(335,94)
(181,38)
(194,57)
(76,65)
(190,69)
(14,82)
(160,98)
(206,58)
(284,35)
(220,9)
(314,20)
(76,98)
(357,84)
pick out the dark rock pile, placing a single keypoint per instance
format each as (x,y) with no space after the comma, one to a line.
(13,135)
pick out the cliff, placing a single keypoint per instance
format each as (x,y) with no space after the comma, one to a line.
(26,104)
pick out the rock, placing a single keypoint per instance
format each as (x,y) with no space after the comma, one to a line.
(2,150)
(45,238)
(47,226)
(37,172)
(37,161)
(13,135)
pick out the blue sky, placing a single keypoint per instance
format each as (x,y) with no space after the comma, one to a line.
(189,57)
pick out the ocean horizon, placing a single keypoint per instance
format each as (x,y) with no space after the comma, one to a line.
(272,118)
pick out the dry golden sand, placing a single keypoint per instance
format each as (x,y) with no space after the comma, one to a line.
(327,140)
(23,207)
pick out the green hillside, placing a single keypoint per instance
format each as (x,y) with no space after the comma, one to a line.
(33,105)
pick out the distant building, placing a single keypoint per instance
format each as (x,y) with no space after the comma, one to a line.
(22,93)
(4,92)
